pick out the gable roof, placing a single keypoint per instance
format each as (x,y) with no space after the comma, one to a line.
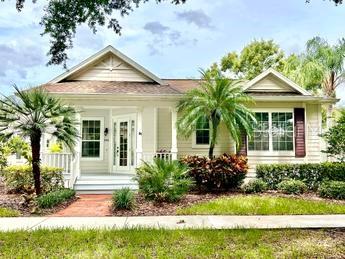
(289,86)
(98,56)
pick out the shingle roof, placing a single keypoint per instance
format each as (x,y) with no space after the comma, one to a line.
(110,87)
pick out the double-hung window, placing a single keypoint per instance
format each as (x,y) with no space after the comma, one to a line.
(273,132)
(91,138)
(202,132)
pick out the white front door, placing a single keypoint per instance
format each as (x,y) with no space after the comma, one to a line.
(123,143)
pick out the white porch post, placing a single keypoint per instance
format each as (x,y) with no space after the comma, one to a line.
(139,136)
(78,147)
(173,134)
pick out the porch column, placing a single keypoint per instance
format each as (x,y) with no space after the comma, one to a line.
(173,134)
(139,150)
(78,149)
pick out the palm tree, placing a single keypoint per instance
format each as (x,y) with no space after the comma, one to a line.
(320,68)
(218,100)
(30,114)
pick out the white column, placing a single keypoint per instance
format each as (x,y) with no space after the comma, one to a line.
(78,146)
(155,129)
(139,137)
(173,134)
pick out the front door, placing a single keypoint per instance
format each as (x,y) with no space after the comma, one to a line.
(123,143)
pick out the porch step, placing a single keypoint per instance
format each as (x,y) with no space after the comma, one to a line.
(104,183)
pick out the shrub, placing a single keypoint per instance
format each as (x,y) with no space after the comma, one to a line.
(54,198)
(19,178)
(163,180)
(291,186)
(123,199)
(332,189)
(221,173)
(312,174)
(254,186)
(7,212)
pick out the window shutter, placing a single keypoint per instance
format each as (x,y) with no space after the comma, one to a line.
(299,132)
(243,145)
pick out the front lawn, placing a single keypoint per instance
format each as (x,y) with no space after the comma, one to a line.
(262,205)
(5,212)
(136,243)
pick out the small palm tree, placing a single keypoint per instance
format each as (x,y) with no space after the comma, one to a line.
(30,114)
(218,99)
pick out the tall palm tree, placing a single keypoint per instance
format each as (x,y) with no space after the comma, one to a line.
(30,114)
(219,100)
(320,68)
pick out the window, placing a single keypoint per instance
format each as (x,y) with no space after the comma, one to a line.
(202,132)
(91,138)
(282,131)
(260,139)
(273,132)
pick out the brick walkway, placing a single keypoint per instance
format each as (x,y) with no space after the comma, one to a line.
(88,205)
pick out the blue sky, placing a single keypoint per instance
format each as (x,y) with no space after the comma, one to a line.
(171,41)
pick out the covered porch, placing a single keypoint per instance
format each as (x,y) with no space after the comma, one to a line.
(114,140)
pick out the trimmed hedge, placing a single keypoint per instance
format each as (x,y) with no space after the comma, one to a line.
(311,174)
(291,186)
(19,178)
(254,186)
(52,199)
(220,173)
(332,189)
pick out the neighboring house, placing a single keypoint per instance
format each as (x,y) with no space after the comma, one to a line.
(127,114)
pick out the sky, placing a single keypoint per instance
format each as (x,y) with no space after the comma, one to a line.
(170,41)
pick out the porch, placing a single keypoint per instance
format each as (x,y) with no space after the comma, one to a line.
(113,142)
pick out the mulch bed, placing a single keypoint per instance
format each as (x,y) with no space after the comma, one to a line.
(149,208)
(16,202)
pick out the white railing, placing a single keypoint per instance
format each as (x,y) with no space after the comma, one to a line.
(66,161)
(149,157)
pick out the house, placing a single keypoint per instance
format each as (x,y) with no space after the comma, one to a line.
(127,114)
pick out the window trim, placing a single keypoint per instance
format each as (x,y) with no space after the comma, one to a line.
(101,140)
(205,146)
(270,151)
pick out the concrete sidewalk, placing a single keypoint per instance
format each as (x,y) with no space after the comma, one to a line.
(175,222)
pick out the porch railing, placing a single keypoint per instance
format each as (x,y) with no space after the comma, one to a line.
(149,157)
(66,161)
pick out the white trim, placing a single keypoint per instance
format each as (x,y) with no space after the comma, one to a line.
(101,144)
(271,152)
(279,76)
(100,54)
(203,146)
(128,118)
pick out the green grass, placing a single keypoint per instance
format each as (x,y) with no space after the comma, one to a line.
(5,212)
(136,243)
(262,205)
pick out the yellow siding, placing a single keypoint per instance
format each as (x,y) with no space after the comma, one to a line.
(271,84)
(110,68)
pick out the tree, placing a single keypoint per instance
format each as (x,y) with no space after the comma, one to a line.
(61,19)
(31,113)
(337,2)
(218,100)
(320,68)
(254,58)
(335,138)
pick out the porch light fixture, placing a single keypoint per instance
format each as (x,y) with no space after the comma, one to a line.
(106,131)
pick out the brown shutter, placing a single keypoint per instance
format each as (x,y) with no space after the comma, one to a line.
(243,145)
(299,132)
